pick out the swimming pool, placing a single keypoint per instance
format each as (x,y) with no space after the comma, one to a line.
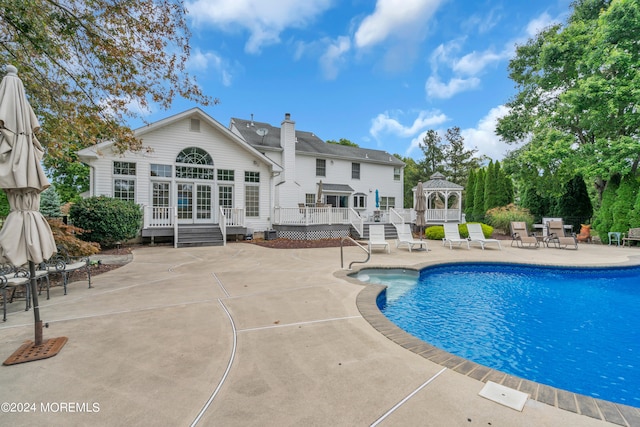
(570,328)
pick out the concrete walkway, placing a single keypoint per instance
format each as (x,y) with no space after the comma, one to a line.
(248,336)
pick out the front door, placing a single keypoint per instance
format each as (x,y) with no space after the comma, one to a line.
(194,203)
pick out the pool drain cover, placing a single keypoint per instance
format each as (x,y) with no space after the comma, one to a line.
(506,396)
(29,352)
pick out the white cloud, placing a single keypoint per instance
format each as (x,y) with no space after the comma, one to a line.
(394,18)
(264,19)
(384,123)
(540,23)
(483,137)
(201,62)
(437,89)
(444,54)
(473,63)
(465,69)
(333,57)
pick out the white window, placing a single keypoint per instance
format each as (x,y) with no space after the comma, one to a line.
(310,199)
(163,171)
(196,164)
(225,196)
(321,167)
(387,203)
(252,194)
(355,170)
(359,201)
(396,174)
(124,187)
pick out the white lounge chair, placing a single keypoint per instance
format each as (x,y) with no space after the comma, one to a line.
(452,235)
(477,236)
(377,239)
(405,237)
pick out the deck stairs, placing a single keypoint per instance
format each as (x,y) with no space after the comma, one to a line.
(199,235)
(389,231)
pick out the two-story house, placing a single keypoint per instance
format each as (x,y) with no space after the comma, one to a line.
(196,176)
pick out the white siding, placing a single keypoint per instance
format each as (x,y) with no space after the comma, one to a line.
(373,176)
(165,144)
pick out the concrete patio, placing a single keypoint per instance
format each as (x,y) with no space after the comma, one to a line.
(243,335)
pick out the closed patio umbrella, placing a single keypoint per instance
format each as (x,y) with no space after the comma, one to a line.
(26,236)
(420,207)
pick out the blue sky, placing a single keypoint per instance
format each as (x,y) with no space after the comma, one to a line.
(379,73)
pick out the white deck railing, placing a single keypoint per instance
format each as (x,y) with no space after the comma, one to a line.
(223,225)
(162,217)
(356,221)
(443,215)
(234,216)
(311,216)
(155,217)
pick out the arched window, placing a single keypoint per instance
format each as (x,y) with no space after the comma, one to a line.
(194,163)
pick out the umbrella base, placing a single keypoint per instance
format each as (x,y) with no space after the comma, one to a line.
(29,352)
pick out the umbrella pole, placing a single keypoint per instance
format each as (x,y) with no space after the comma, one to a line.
(36,308)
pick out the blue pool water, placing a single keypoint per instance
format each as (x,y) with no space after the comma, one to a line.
(577,329)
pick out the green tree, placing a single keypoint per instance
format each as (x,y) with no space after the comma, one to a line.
(603,220)
(490,187)
(89,65)
(634,215)
(575,202)
(50,203)
(478,197)
(533,201)
(459,160)
(577,95)
(411,178)
(623,205)
(71,178)
(434,155)
(342,141)
(4,204)
(469,191)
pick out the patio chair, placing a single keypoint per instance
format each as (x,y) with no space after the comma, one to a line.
(405,238)
(557,237)
(14,280)
(477,236)
(452,235)
(63,264)
(520,236)
(377,239)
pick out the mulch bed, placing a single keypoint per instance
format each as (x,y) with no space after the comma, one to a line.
(299,244)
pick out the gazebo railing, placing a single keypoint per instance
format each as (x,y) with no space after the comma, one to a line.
(442,215)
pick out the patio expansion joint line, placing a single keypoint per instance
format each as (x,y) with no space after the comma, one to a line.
(310,322)
(221,285)
(111,313)
(403,401)
(226,372)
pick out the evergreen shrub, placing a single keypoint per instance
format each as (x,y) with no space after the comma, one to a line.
(435,232)
(106,220)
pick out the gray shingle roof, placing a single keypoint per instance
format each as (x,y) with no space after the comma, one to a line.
(437,182)
(309,143)
(344,188)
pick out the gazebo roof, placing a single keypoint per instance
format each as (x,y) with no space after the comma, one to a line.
(437,182)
